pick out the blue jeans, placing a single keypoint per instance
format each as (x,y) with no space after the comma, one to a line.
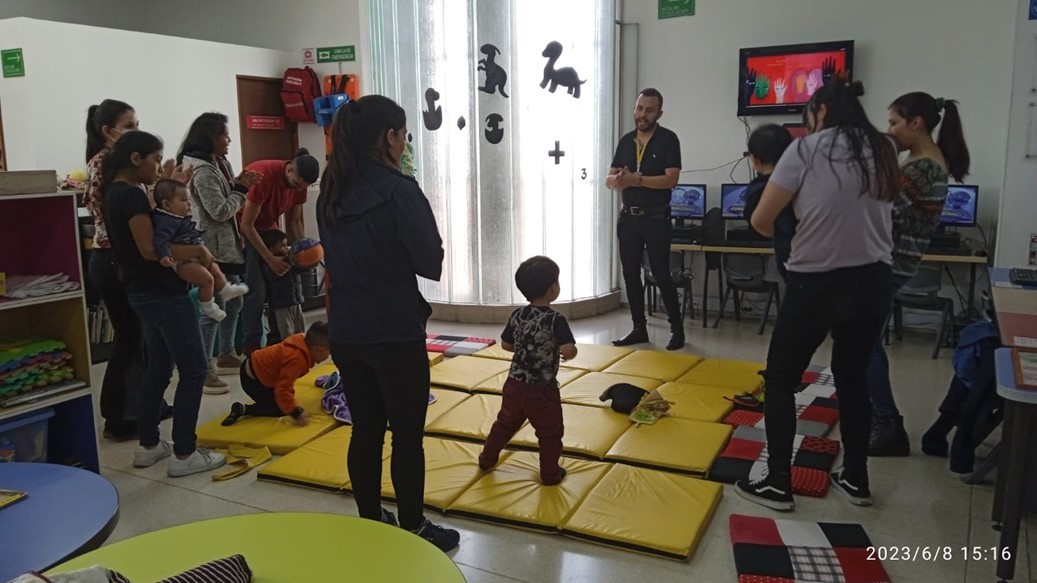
(879,385)
(228,328)
(171,336)
(252,311)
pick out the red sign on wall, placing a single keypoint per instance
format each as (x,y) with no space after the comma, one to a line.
(264,122)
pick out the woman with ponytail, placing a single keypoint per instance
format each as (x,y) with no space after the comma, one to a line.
(913,118)
(841,180)
(379,236)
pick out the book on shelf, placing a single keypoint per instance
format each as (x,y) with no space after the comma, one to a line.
(1025,362)
(8,497)
(100,325)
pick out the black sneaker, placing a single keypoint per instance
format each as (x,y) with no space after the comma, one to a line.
(237,411)
(676,340)
(767,492)
(635,336)
(888,437)
(445,539)
(858,493)
(389,518)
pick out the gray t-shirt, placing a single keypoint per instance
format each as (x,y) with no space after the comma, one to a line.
(838,226)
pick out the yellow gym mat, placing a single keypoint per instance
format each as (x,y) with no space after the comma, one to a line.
(469,420)
(280,434)
(652,364)
(589,357)
(310,379)
(680,445)
(434,358)
(513,494)
(587,389)
(646,510)
(451,467)
(446,399)
(495,352)
(589,431)
(320,463)
(466,372)
(495,385)
(729,374)
(698,402)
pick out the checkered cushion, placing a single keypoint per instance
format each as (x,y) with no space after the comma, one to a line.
(815,416)
(456,345)
(768,550)
(746,457)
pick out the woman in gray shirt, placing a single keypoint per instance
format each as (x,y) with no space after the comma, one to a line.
(841,181)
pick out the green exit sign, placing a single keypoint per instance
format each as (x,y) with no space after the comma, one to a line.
(13,62)
(674,8)
(336,54)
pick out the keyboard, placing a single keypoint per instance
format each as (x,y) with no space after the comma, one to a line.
(1027,277)
(752,244)
(952,251)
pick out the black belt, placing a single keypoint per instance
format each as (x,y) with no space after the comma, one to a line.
(646,211)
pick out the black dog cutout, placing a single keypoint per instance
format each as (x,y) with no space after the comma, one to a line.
(496,76)
(494,133)
(567,77)
(433,116)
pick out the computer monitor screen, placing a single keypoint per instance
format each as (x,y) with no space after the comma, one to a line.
(732,200)
(959,210)
(688,201)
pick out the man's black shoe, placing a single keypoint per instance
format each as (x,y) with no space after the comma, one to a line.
(635,336)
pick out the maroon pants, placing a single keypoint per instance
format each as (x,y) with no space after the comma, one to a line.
(542,405)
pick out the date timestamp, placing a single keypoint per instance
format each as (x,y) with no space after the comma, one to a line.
(936,554)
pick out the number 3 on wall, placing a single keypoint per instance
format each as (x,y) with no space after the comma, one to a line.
(583,174)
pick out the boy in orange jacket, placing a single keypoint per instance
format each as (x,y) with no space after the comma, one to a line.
(269,375)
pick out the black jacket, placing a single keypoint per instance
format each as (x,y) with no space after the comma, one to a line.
(284,291)
(382,238)
(784,225)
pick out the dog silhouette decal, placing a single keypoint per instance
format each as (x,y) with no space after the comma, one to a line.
(461,123)
(496,76)
(433,116)
(494,132)
(566,77)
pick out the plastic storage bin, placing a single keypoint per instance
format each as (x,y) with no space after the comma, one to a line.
(24,438)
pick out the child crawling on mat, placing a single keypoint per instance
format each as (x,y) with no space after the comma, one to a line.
(174,226)
(268,375)
(537,335)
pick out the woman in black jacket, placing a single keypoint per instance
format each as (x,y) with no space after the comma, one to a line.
(378,233)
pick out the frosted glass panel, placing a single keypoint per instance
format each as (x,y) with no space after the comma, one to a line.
(512,170)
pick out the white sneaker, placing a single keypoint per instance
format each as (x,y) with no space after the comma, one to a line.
(202,459)
(145,457)
(233,290)
(211,310)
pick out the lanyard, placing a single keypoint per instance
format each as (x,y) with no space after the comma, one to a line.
(639,151)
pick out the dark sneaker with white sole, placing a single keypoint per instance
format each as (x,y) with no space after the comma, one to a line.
(856,492)
(767,492)
(445,539)
(389,518)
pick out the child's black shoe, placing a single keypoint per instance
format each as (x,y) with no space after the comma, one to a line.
(237,411)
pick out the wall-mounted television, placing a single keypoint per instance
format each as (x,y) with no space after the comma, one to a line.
(780,79)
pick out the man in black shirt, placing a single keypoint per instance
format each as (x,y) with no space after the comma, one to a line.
(646,168)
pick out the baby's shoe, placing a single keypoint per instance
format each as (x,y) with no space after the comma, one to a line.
(211,310)
(233,290)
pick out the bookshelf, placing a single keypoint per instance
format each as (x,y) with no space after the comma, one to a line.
(40,235)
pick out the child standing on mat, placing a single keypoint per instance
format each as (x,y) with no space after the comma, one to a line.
(174,226)
(537,335)
(283,292)
(766,145)
(269,375)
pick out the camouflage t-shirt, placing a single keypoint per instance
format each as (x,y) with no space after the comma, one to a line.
(537,333)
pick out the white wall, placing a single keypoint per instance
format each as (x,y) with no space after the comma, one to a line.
(123,14)
(958,49)
(1019,201)
(169,81)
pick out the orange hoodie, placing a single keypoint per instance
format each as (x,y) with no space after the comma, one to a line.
(280,365)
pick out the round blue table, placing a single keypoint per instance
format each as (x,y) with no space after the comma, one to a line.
(68,512)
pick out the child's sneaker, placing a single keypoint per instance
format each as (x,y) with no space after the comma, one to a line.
(233,290)
(856,491)
(237,410)
(555,482)
(147,456)
(445,539)
(767,492)
(201,460)
(211,310)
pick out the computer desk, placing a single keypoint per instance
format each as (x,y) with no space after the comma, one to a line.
(972,260)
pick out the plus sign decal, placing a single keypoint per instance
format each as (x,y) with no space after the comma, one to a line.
(557,153)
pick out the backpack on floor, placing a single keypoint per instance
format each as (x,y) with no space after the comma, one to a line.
(298,90)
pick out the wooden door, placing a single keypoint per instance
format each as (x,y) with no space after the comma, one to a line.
(265,132)
(3,148)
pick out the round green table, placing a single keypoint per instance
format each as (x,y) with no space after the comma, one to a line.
(280,547)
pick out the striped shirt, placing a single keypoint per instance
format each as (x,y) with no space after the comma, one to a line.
(916,212)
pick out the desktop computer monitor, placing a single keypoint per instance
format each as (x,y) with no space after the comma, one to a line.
(960,208)
(688,201)
(732,200)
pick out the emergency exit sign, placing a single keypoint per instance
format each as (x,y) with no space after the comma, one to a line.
(336,54)
(13,62)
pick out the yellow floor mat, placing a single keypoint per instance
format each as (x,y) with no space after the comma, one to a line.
(495,352)
(651,364)
(466,372)
(587,389)
(310,379)
(513,494)
(698,402)
(739,375)
(680,445)
(451,467)
(495,385)
(469,420)
(320,463)
(280,434)
(589,357)
(434,358)
(646,510)
(589,431)
(446,399)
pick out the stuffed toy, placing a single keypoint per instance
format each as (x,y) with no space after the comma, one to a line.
(652,408)
(624,397)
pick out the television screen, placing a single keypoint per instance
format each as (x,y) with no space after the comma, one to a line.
(688,201)
(732,200)
(781,79)
(959,210)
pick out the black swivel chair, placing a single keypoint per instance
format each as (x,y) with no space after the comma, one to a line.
(713,233)
(746,274)
(682,278)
